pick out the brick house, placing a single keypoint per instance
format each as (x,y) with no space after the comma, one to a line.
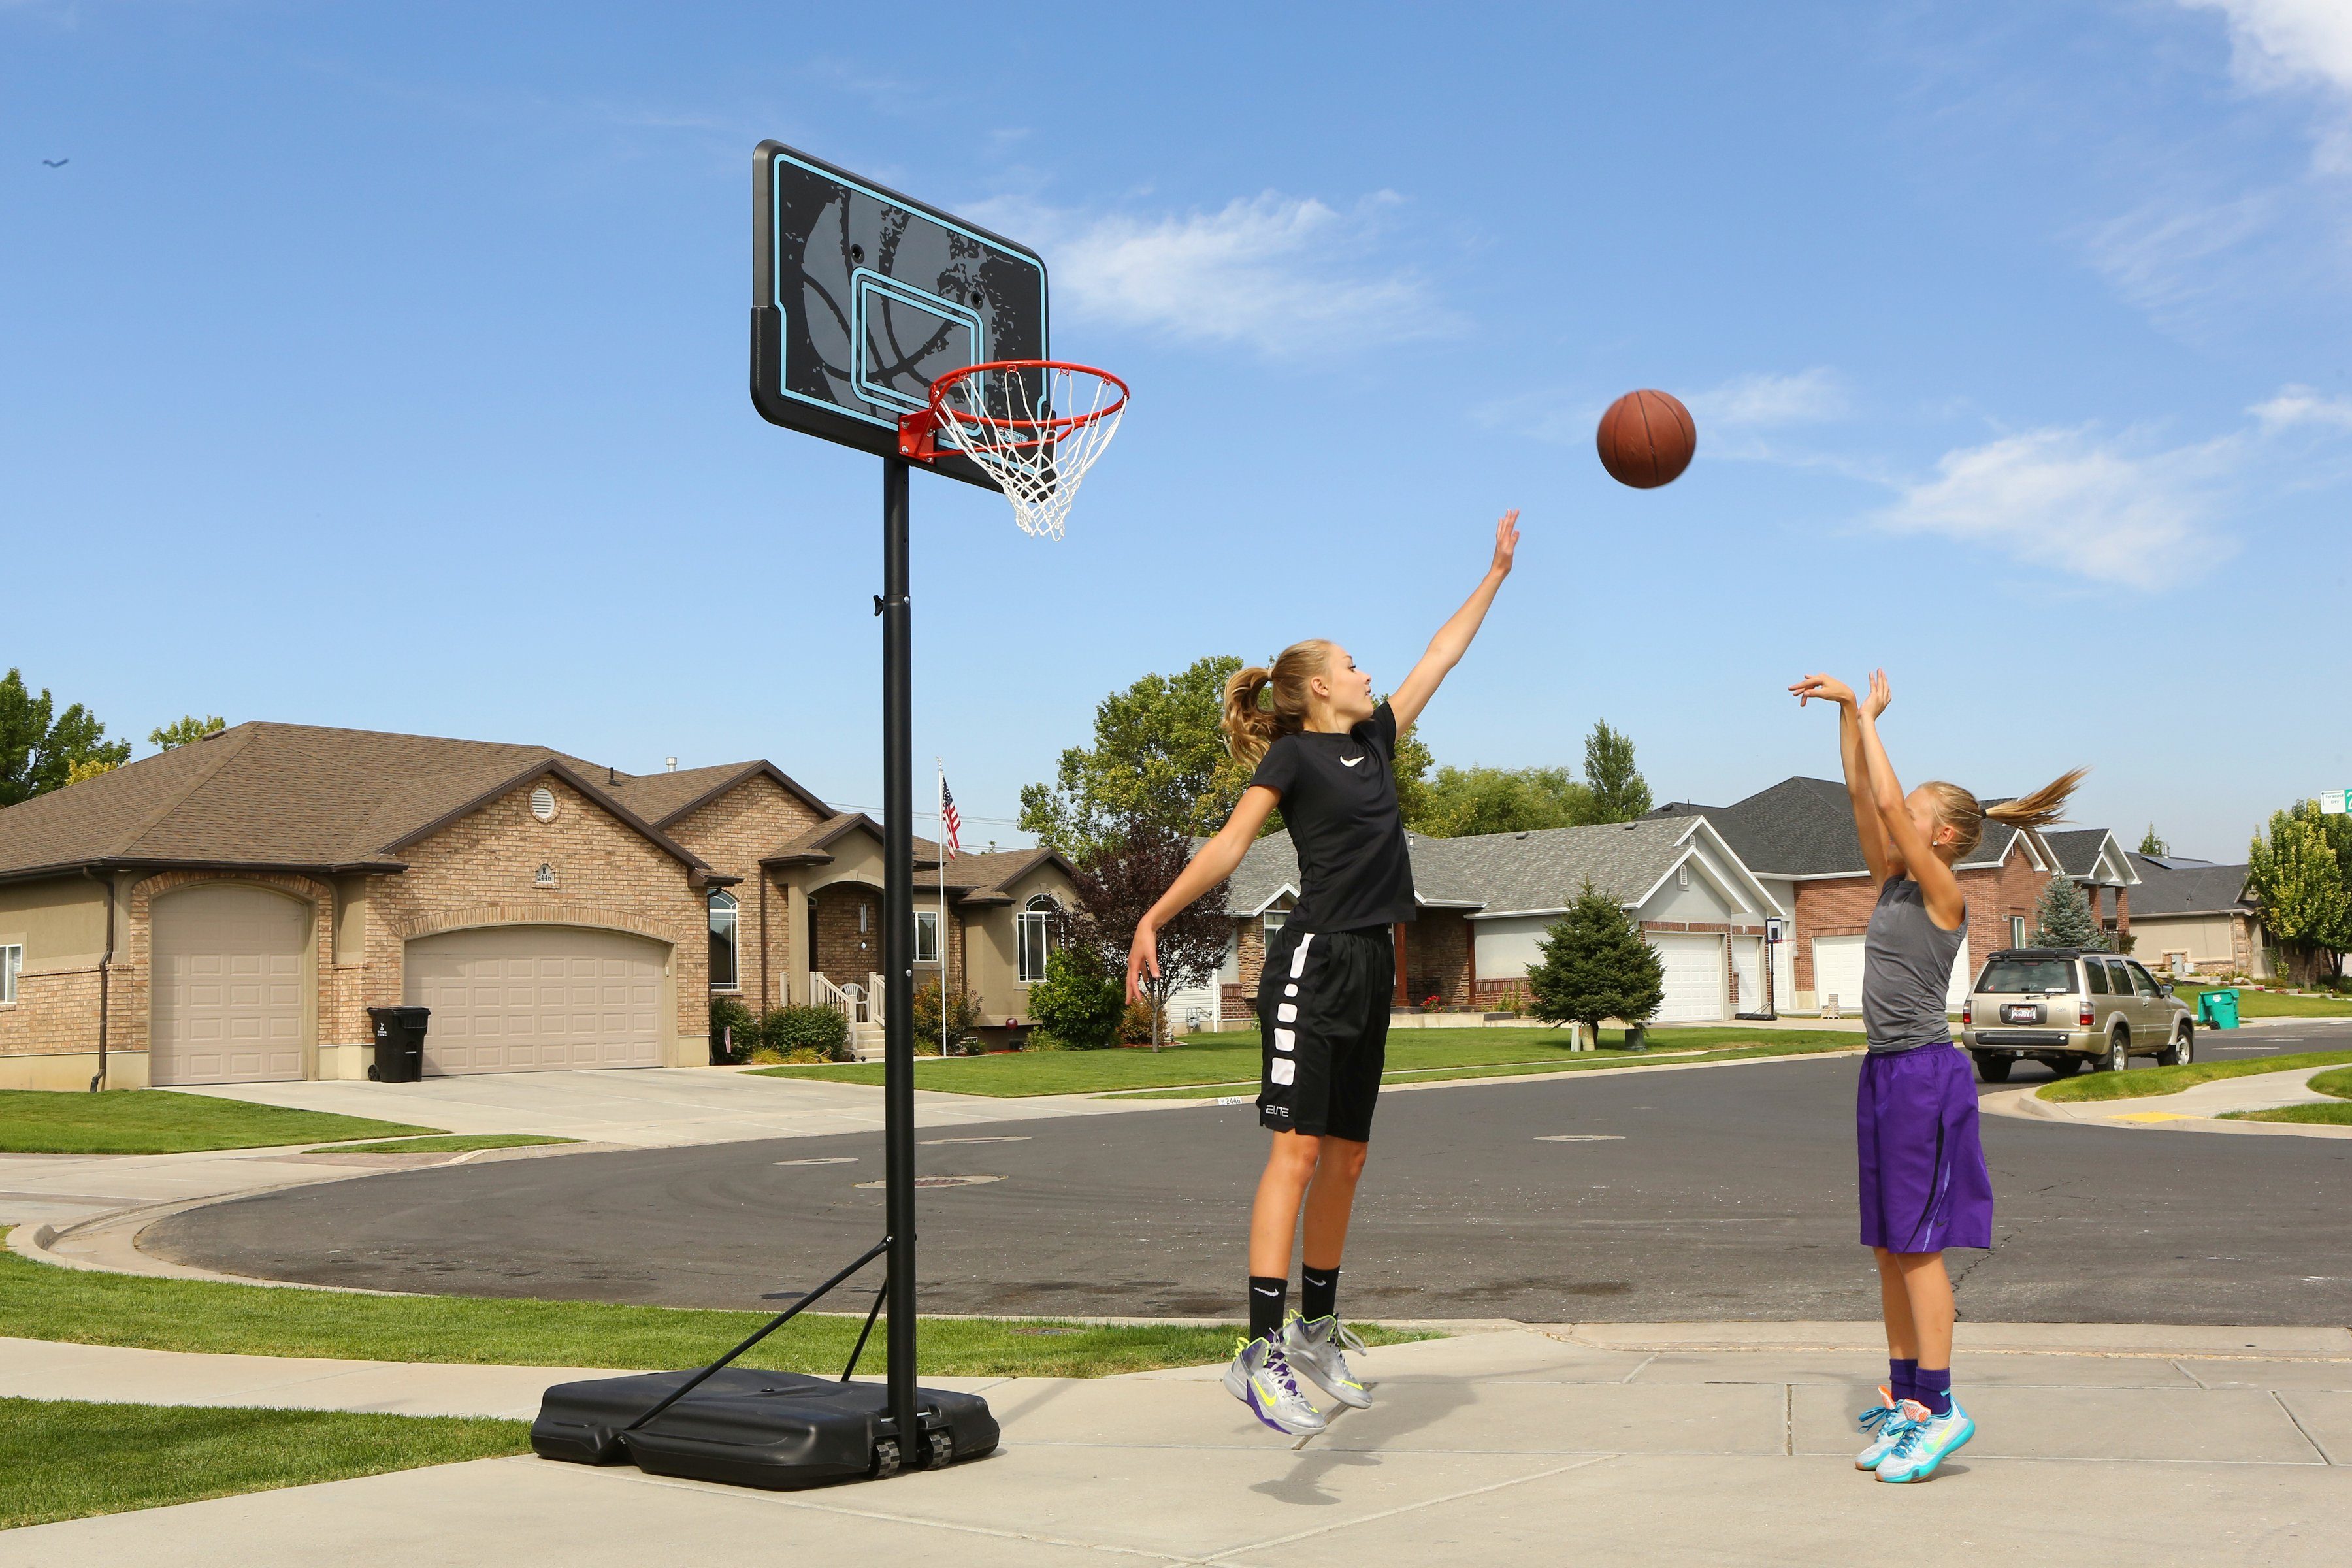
(1799,838)
(229,910)
(1487,900)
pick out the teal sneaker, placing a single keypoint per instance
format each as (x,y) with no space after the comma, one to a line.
(1260,1378)
(1887,1424)
(1926,1444)
(1319,1350)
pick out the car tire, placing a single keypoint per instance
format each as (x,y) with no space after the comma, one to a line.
(1993,1069)
(2064,1067)
(2182,1051)
(2119,1053)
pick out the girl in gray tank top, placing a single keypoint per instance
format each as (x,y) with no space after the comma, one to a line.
(1923,1181)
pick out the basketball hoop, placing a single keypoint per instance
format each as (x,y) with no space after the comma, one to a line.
(1002,414)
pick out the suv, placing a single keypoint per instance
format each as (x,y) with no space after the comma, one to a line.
(2064,1007)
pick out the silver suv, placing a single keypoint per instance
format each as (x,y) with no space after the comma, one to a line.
(2064,1006)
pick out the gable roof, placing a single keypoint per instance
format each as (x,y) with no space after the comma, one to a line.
(972,878)
(2195,889)
(1803,827)
(665,799)
(288,796)
(2091,853)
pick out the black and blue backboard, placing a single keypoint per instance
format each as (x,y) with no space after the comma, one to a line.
(861,298)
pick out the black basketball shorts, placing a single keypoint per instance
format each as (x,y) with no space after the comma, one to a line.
(1323,1016)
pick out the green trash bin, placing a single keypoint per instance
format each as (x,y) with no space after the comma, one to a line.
(2218,1009)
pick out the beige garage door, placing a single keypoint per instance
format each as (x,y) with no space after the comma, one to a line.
(229,994)
(534,998)
(1694,976)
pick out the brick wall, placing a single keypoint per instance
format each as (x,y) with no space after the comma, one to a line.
(1841,907)
(1437,958)
(844,954)
(55,1014)
(731,833)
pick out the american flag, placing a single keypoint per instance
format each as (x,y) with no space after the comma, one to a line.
(949,818)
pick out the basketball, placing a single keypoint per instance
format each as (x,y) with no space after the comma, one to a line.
(1646,439)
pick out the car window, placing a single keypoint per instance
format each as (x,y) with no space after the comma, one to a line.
(2119,977)
(2144,980)
(2027,975)
(2098,974)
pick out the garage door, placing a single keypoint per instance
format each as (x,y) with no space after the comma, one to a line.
(1694,966)
(228,986)
(535,998)
(1963,977)
(1837,971)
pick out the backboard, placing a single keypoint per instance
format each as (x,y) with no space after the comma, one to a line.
(861,298)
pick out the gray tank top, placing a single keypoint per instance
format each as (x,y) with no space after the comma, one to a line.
(1906,970)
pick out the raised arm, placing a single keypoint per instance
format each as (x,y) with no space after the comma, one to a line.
(1452,639)
(1215,861)
(1866,825)
(1939,889)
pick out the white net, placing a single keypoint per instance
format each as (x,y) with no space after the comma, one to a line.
(1036,430)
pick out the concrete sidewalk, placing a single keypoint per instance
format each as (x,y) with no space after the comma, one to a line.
(2194,1109)
(1640,1443)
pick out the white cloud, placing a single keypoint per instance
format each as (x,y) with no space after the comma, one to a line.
(2287,44)
(2303,405)
(2161,257)
(2069,499)
(1281,275)
(1762,400)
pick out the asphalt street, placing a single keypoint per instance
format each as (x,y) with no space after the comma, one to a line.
(1720,1194)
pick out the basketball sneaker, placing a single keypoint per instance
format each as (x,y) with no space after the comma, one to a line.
(1887,1424)
(1260,1378)
(1927,1444)
(1319,1350)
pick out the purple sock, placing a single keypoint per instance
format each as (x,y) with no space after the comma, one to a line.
(1902,1377)
(1935,1390)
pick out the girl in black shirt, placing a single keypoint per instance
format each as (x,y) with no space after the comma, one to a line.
(1323,752)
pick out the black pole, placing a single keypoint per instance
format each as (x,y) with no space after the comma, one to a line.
(897,959)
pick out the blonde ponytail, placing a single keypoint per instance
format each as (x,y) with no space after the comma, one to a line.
(1959,810)
(1250,728)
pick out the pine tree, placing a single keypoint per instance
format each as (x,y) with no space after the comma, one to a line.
(1595,966)
(2061,918)
(2152,845)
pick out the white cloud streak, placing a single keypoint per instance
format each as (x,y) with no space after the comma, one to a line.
(2303,405)
(1283,276)
(2278,45)
(1764,400)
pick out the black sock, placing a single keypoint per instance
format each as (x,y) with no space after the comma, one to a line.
(1319,1292)
(1266,1300)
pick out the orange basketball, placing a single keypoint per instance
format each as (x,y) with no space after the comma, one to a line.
(1646,439)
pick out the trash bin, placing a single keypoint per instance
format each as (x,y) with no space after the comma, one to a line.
(399,1044)
(2218,1009)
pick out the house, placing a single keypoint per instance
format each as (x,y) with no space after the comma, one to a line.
(2192,917)
(1487,900)
(228,911)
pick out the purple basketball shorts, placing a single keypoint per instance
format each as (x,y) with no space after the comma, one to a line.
(1924,1182)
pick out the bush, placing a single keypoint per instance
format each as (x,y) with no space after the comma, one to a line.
(819,1029)
(962,1021)
(1595,966)
(1135,1024)
(734,1033)
(1077,1006)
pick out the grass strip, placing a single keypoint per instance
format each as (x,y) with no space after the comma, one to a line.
(453,1143)
(2272,1003)
(2140,1082)
(161,1122)
(65,1459)
(2331,1113)
(1208,1061)
(82,1307)
(2337,1083)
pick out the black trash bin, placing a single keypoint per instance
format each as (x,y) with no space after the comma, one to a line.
(399,1044)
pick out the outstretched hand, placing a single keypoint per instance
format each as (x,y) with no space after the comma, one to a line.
(1142,958)
(1822,688)
(1506,543)
(1881,694)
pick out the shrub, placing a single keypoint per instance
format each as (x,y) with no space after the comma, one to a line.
(1077,1005)
(805,1028)
(734,1033)
(1135,1025)
(1595,966)
(962,1021)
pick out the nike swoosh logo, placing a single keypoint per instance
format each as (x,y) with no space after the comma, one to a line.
(1350,761)
(1263,1293)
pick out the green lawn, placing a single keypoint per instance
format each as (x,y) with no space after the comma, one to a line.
(2336,1113)
(41,1302)
(453,1143)
(2272,1004)
(160,1121)
(1227,1060)
(64,1459)
(2142,1081)
(2337,1083)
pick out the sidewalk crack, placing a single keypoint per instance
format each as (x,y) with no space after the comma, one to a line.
(2325,1458)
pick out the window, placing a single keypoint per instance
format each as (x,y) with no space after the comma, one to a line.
(2017,930)
(2143,981)
(2022,974)
(12,959)
(1035,931)
(2096,973)
(722,941)
(2119,977)
(1272,923)
(927,936)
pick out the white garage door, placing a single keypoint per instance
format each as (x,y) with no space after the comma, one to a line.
(228,989)
(1963,977)
(1694,966)
(537,997)
(1837,971)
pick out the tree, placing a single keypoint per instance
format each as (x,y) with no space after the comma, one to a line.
(2150,845)
(1595,966)
(1077,1005)
(88,768)
(2061,918)
(2300,874)
(40,747)
(954,1033)
(1116,889)
(183,731)
(1620,794)
(1463,800)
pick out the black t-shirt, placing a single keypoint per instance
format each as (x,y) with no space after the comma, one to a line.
(1339,802)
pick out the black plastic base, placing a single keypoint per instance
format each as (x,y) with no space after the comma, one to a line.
(775,1430)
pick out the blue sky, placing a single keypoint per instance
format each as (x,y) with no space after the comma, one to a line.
(384,365)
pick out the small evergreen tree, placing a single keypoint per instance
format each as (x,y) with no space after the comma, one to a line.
(1595,966)
(2061,918)
(2150,845)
